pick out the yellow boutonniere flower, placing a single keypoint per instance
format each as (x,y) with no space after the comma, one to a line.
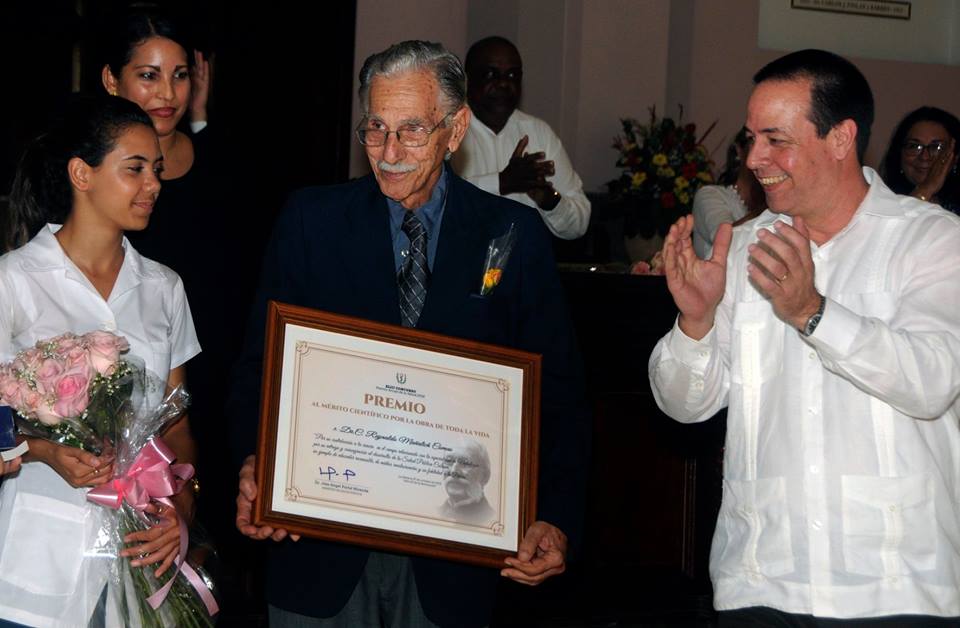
(666,173)
(681,183)
(683,197)
(659,159)
(490,279)
(705,176)
(638,179)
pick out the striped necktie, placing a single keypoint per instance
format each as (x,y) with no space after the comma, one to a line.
(414,274)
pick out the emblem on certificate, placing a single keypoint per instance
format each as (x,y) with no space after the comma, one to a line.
(395,438)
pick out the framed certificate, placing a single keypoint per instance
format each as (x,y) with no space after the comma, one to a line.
(396,439)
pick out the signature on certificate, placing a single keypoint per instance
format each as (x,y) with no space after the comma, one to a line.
(332,472)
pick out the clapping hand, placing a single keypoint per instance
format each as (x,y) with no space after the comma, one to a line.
(781,267)
(697,285)
(525,172)
(940,167)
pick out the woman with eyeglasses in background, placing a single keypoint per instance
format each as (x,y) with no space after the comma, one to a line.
(921,160)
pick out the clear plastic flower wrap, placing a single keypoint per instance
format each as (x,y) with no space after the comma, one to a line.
(498,252)
(81,392)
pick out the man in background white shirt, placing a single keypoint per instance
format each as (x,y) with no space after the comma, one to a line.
(829,327)
(514,154)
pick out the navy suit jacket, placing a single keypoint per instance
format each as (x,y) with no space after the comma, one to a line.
(332,250)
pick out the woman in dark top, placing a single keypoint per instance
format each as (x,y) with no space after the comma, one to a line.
(195,228)
(921,160)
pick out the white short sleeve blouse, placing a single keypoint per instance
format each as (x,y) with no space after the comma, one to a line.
(48,575)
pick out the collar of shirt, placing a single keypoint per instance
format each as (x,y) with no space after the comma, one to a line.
(430,213)
(875,203)
(44,253)
(476,123)
(47,254)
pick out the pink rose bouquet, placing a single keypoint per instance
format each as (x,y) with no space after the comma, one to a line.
(69,389)
(84,391)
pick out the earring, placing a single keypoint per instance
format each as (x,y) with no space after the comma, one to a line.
(113,92)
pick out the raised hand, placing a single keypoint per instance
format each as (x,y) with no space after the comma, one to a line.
(781,267)
(940,168)
(525,172)
(199,87)
(697,285)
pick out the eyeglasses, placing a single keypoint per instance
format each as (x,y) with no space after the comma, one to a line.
(409,136)
(914,149)
(489,75)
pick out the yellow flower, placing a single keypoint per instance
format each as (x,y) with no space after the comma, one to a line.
(705,176)
(683,197)
(666,173)
(638,179)
(490,279)
(659,159)
(680,183)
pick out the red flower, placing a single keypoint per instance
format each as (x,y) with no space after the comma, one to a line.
(689,170)
(668,200)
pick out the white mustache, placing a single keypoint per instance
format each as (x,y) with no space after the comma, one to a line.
(395,168)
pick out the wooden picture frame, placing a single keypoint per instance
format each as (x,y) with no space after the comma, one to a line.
(396,439)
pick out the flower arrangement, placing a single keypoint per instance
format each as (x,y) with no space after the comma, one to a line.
(664,163)
(78,390)
(52,385)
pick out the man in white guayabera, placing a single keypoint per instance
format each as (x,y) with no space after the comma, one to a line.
(828,327)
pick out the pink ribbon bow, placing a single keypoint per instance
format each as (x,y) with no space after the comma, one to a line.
(154,477)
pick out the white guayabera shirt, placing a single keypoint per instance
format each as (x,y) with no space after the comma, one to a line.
(484,154)
(841,494)
(49,575)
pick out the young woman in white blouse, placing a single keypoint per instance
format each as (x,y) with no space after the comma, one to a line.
(69,268)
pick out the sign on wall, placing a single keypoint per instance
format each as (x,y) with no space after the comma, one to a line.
(895,9)
(894,30)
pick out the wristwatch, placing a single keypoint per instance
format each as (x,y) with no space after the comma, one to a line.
(553,202)
(814,320)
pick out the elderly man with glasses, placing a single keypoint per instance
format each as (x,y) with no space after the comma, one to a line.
(407,245)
